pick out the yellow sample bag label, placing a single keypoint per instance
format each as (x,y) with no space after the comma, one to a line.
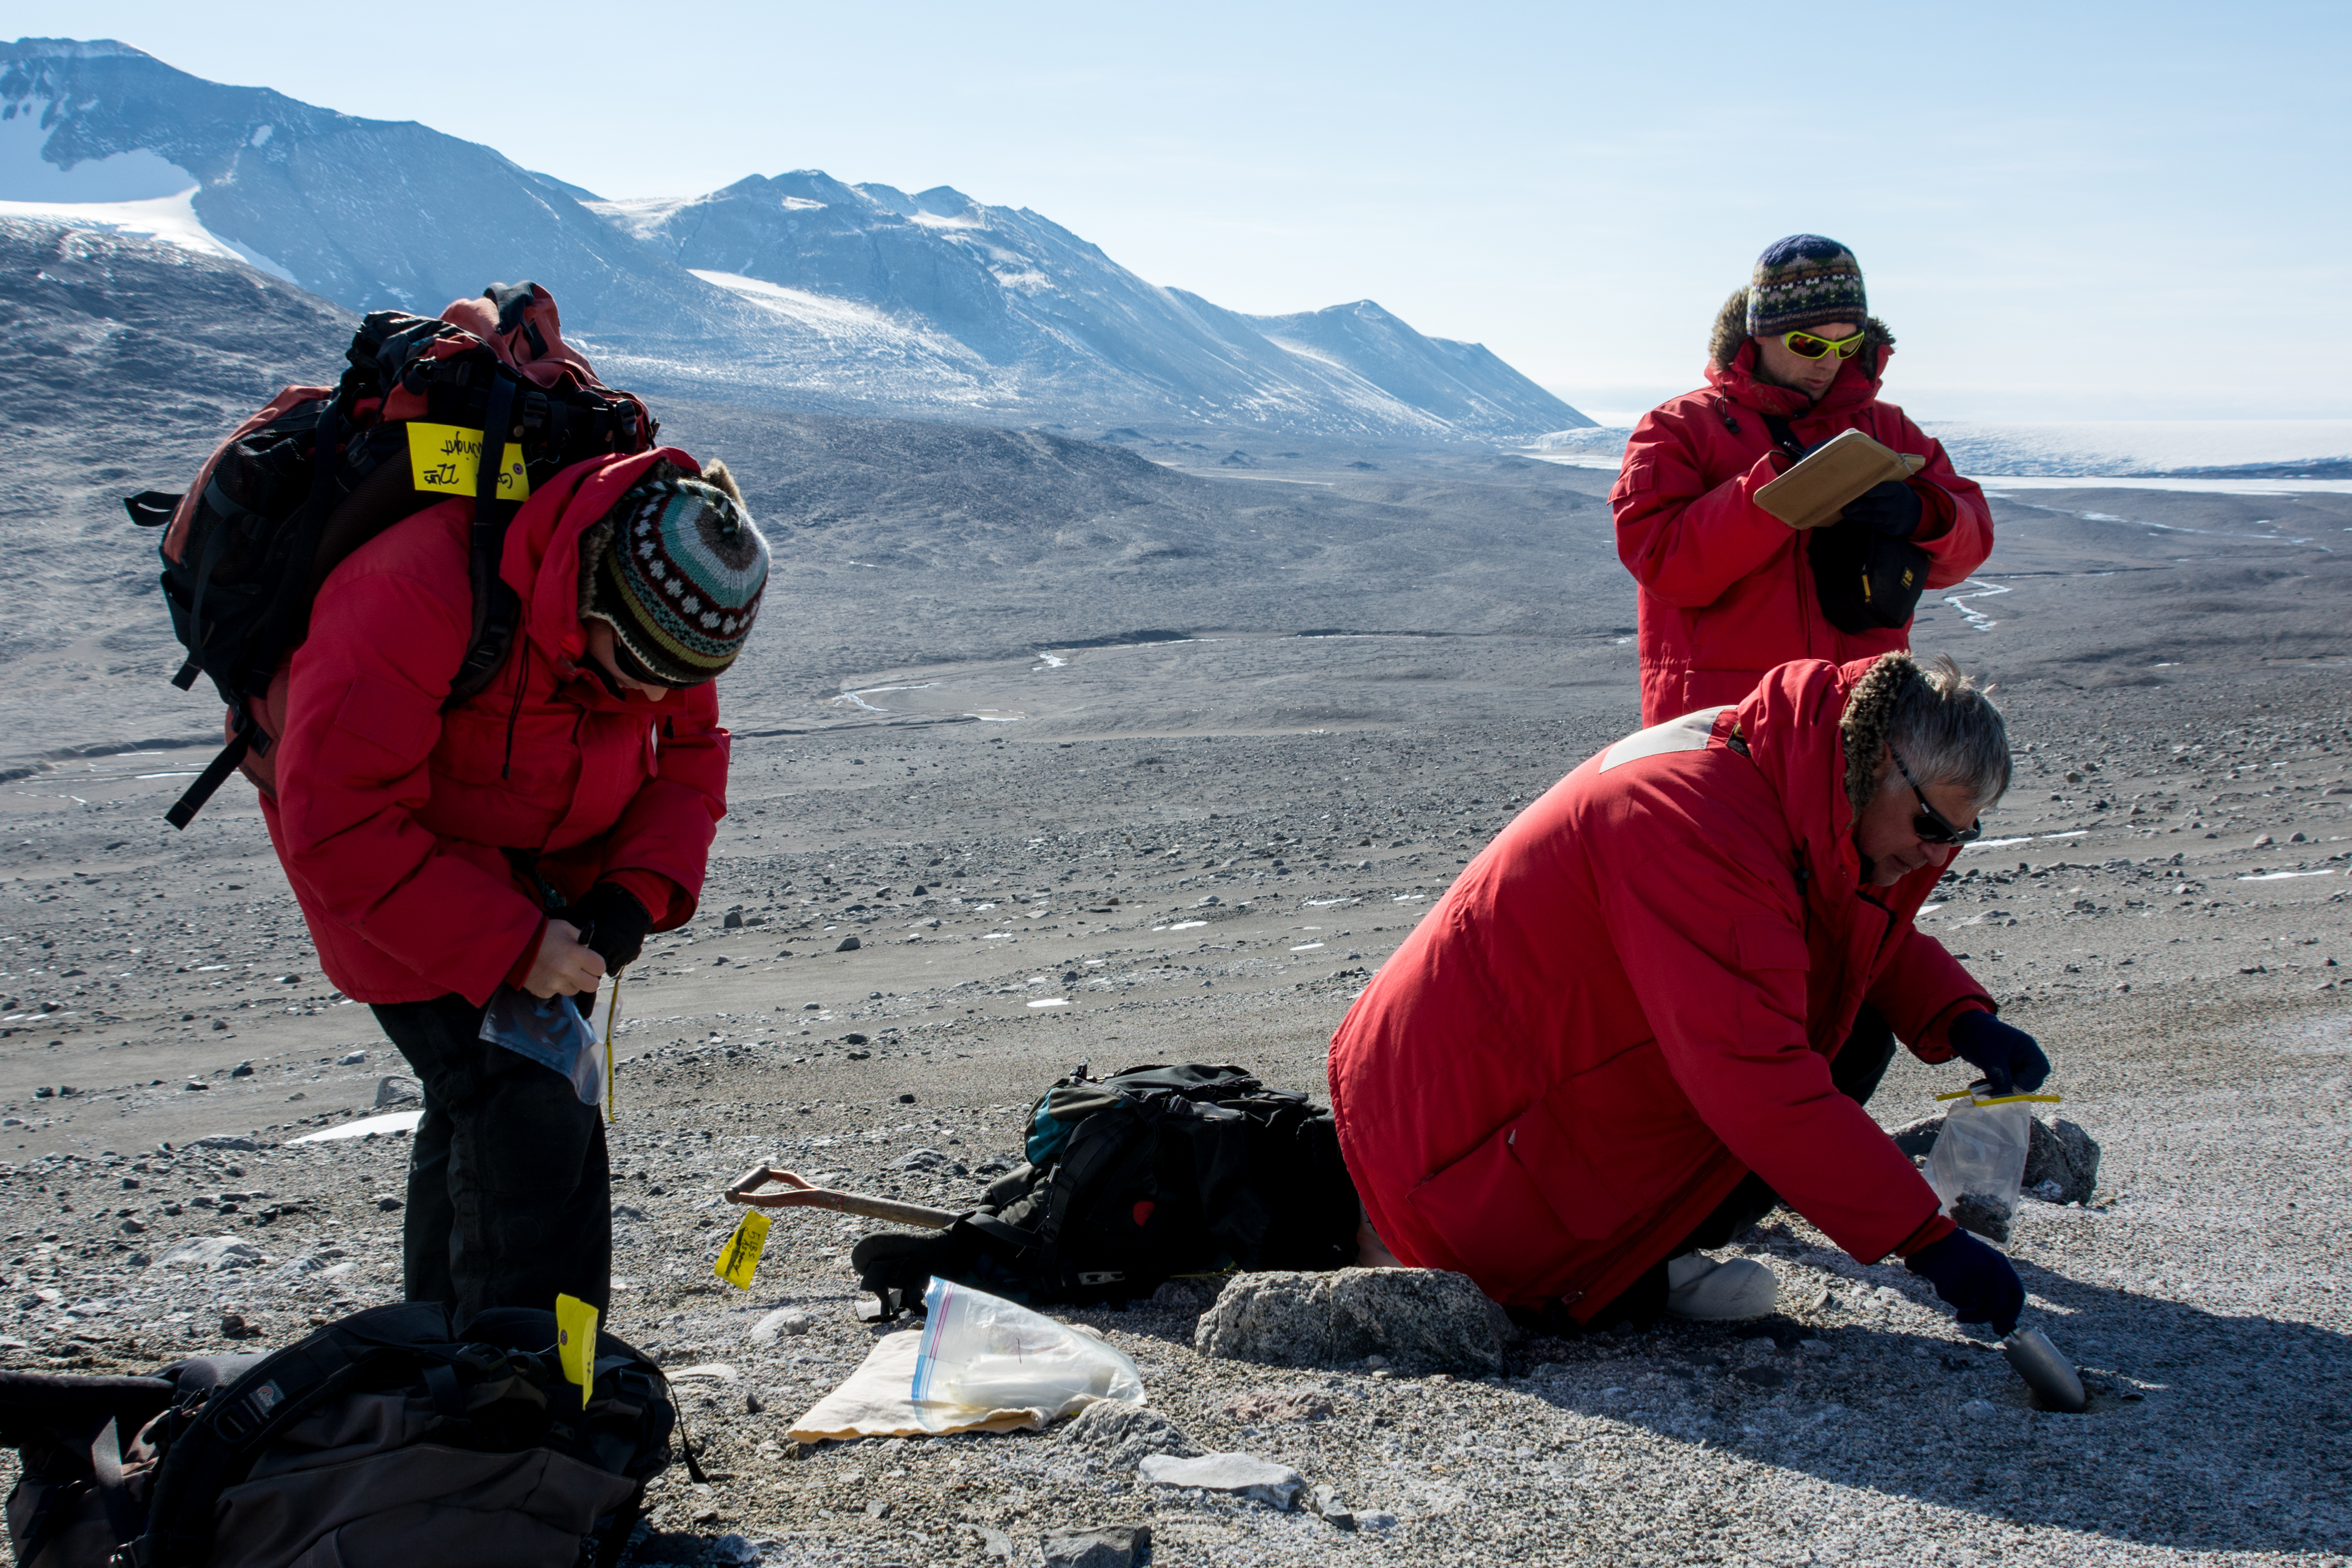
(447,458)
(741,1253)
(575,1343)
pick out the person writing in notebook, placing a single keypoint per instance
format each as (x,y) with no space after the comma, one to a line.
(1727,591)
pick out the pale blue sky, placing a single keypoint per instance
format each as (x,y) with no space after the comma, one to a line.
(2063,211)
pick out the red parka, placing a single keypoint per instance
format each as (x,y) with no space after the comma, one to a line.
(1630,1001)
(1727,589)
(391,815)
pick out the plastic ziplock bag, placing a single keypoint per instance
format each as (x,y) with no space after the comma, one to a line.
(552,1031)
(982,1352)
(1978,1164)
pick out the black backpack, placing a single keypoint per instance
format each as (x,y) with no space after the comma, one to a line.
(1135,1179)
(244,554)
(388,1428)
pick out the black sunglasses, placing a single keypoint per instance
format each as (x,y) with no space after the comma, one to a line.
(1931,825)
(635,670)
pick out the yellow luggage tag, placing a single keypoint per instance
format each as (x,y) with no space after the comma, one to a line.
(741,1253)
(446,459)
(575,1343)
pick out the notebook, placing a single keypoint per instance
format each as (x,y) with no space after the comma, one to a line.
(1811,494)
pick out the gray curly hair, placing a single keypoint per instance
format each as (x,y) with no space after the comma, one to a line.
(1946,729)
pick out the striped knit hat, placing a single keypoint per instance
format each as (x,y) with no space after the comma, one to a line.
(1803,281)
(677,568)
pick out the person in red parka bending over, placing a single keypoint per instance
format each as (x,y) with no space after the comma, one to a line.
(528,837)
(1620,1037)
(1727,589)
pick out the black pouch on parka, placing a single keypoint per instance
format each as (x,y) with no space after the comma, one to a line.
(1865,580)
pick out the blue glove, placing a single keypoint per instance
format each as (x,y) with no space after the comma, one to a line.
(1890,508)
(1975,1280)
(2010,1061)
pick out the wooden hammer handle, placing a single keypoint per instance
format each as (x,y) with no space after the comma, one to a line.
(800,1193)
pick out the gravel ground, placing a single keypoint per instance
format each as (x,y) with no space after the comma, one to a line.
(2184,984)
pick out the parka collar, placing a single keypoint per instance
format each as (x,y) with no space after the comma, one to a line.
(1857,383)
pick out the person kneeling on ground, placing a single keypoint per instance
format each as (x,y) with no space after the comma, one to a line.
(1623,1036)
(528,837)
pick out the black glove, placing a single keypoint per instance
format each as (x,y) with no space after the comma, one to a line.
(1890,508)
(611,921)
(1974,1278)
(2010,1061)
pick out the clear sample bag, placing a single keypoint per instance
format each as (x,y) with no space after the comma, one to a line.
(552,1031)
(982,1352)
(1978,1164)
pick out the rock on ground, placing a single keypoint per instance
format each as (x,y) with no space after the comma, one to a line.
(2062,1153)
(1107,1546)
(1125,1435)
(1415,1320)
(1244,1475)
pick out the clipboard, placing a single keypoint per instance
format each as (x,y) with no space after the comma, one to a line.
(1811,494)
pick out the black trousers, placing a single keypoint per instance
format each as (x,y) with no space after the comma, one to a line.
(1860,1063)
(509,1195)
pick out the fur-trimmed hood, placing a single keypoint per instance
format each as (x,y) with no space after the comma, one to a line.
(1723,345)
(1869,715)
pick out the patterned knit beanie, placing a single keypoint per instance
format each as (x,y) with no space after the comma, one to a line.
(1803,281)
(677,568)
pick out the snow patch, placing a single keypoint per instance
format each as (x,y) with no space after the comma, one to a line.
(640,217)
(397,1122)
(171,220)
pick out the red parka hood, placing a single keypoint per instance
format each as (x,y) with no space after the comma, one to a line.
(1789,723)
(542,562)
(1731,368)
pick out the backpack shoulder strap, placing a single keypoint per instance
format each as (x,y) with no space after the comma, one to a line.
(289,608)
(496,607)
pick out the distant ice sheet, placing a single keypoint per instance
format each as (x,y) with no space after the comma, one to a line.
(2254,455)
(1997,486)
(2147,449)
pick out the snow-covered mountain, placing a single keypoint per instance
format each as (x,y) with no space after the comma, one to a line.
(370,213)
(1046,314)
(799,290)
